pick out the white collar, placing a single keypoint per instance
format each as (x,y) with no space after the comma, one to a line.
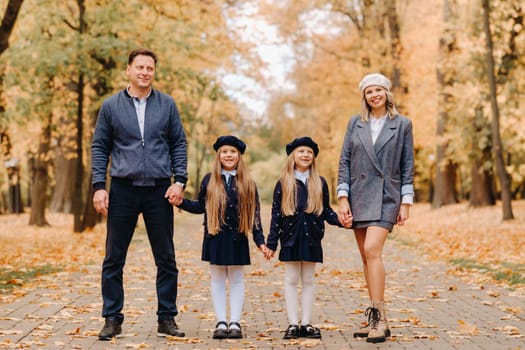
(228,173)
(302,176)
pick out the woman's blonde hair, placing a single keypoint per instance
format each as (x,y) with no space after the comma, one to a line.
(289,189)
(216,198)
(391,110)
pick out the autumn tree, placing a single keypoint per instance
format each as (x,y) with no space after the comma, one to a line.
(473,109)
(334,44)
(7,24)
(445,167)
(85,72)
(64,66)
(497,146)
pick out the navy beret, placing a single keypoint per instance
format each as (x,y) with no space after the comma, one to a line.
(230,140)
(302,141)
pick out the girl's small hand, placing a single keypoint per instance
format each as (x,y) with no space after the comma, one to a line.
(267,252)
(264,249)
(270,254)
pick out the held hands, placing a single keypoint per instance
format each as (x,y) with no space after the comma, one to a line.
(344,214)
(175,194)
(267,252)
(101,202)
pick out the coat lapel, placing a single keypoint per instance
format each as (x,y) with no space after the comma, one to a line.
(387,132)
(365,135)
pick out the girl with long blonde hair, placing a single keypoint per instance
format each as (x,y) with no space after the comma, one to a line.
(230,203)
(301,205)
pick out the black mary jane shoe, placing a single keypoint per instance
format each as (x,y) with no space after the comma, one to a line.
(235,332)
(309,331)
(220,333)
(292,332)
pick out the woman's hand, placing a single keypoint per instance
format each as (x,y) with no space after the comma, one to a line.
(403,214)
(344,214)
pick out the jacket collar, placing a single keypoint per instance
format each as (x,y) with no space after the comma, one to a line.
(365,135)
(128,95)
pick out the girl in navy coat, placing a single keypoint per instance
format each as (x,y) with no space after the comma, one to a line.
(230,203)
(301,204)
(375,188)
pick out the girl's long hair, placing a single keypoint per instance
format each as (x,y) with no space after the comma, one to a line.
(391,109)
(216,198)
(289,189)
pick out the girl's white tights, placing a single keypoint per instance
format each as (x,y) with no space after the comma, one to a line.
(305,270)
(219,274)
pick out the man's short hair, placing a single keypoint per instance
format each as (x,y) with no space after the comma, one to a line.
(141,51)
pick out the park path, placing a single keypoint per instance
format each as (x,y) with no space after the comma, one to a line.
(428,307)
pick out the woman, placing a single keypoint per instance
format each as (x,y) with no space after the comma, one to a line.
(375,187)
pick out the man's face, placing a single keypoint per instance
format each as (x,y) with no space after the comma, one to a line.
(141,72)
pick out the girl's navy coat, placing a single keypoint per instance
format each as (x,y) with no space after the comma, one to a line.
(300,234)
(228,246)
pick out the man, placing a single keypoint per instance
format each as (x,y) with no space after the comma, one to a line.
(140,129)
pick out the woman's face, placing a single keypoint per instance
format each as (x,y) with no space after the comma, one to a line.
(375,96)
(303,157)
(229,157)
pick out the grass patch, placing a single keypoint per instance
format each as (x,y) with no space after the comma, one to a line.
(510,273)
(402,240)
(9,279)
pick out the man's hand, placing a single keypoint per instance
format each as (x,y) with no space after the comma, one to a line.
(101,202)
(175,194)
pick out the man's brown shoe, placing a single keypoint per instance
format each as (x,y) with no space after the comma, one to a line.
(112,328)
(169,328)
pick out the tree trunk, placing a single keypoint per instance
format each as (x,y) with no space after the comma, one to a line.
(40,177)
(8,22)
(497,147)
(482,179)
(64,170)
(12,200)
(102,86)
(90,216)
(15,204)
(366,29)
(399,89)
(6,28)
(481,193)
(80,201)
(445,182)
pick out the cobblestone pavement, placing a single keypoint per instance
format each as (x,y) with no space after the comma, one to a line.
(428,308)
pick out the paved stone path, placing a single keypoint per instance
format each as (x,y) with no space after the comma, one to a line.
(428,308)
